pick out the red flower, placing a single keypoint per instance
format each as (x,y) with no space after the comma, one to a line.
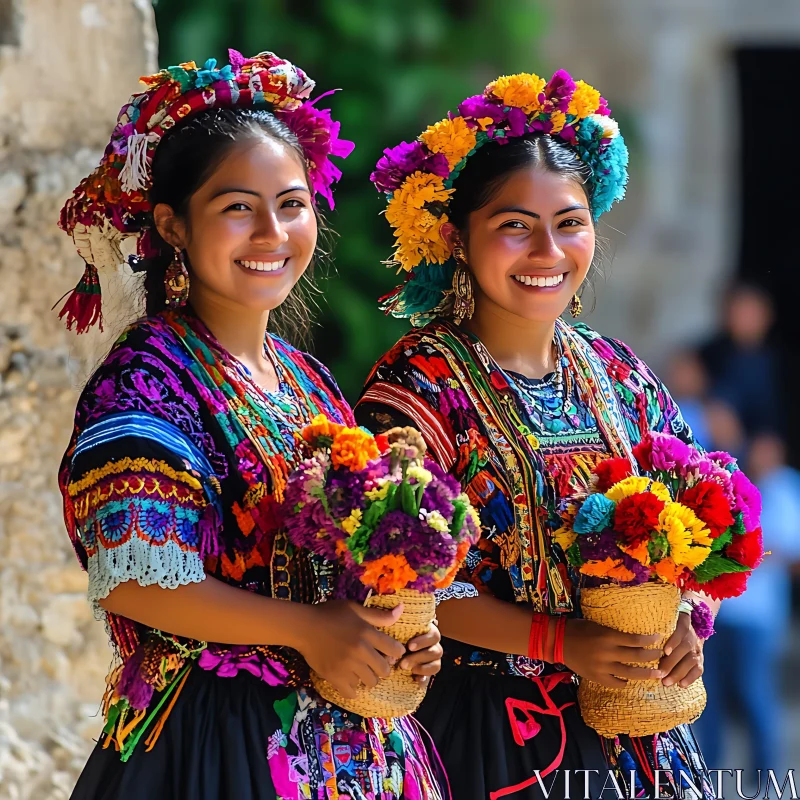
(637,516)
(707,500)
(730,584)
(747,548)
(382,440)
(611,471)
(644,453)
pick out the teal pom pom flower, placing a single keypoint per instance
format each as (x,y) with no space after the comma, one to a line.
(595,515)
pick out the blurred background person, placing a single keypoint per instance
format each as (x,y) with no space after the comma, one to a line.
(743,658)
(742,360)
(688,382)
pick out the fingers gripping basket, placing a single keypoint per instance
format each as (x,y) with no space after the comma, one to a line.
(399,694)
(641,708)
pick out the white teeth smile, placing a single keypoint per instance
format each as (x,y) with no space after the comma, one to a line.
(263,266)
(532,280)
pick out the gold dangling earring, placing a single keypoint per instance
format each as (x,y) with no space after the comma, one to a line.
(463,295)
(176,281)
(575,306)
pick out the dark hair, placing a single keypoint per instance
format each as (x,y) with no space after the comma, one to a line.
(493,164)
(183,162)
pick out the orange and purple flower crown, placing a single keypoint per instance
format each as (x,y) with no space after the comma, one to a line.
(418,176)
(110,205)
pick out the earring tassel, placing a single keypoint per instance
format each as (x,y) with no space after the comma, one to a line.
(83,307)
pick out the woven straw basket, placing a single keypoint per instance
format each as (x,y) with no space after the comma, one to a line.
(641,708)
(399,694)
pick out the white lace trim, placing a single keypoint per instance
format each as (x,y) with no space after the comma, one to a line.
(166,565)
(458,590)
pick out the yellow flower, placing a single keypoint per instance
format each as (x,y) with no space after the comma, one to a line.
(437,522)
(686,534)
(559,119)
(452,137)
(635,485)
(585,101)
(422,475)
(378,494)
(352,523)
(476,517)
(520,91)
(417,230)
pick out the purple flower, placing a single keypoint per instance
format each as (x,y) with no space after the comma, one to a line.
(480,107)
(393,533)
(437,498)
(747,500)
(640,571)
(348,586)
(516,122)
(722,458)
(599,546)
(710,470)
(397,163)
(431,549)
(543,125)
(319,137)
(702,620)
(569,134)
(424,583)
(669,452)
(345,492)
(604,110)
(560,90)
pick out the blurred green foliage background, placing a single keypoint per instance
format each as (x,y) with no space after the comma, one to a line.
(402,65)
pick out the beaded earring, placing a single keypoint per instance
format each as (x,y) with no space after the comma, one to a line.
(176,281)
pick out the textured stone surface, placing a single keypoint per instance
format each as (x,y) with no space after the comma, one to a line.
(65,70)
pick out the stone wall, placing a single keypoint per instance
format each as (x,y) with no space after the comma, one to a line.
(66,66)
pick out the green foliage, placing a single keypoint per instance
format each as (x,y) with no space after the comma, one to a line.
(716,565)
(402,65)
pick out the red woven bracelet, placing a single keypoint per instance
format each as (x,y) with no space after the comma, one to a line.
(558,642)
(538,635)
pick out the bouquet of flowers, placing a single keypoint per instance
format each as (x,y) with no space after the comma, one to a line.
(688,520)
(395,526)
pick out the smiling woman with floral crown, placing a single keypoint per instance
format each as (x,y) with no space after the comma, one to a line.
(494,211)
(184,439)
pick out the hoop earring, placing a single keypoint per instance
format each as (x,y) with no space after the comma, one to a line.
(463,295)
(575,306)
(176,281)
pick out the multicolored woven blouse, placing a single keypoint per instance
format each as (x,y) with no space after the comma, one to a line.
(175,471)
(520,448)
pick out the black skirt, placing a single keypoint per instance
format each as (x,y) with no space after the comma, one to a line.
(226,739)
(466,711)
(213,746)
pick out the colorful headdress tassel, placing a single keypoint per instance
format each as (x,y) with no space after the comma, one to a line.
(82,307)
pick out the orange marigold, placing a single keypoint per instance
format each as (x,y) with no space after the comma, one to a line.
(668,570)
(320,426)
(451,137)
(388,574)
(608,568)
(353,448)
(523,91)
